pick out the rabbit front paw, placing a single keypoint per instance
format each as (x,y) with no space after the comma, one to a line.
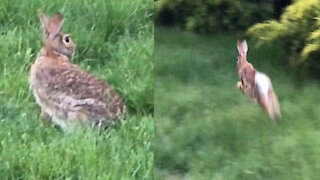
(239,85)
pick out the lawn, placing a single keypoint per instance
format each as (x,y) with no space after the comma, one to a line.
(115,42)
(206,128)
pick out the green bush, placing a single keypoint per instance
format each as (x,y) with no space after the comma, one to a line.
(298,32)
(207,16)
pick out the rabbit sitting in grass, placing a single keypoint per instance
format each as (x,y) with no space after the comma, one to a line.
(256,85)
(67,94)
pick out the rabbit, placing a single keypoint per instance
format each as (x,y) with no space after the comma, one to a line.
(256,85)
(68,95)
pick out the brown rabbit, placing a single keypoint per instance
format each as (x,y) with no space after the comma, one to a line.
(255,84)
(67,94)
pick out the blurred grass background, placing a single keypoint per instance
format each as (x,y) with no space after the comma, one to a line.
(115,42)
(207,129)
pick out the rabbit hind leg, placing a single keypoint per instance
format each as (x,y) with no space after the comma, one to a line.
(44,118)
(264,104)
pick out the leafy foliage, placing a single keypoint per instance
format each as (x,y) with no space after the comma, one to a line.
(298,31)
(212,15)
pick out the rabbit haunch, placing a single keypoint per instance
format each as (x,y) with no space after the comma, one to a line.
(256,85)
(263,83)
(67,94)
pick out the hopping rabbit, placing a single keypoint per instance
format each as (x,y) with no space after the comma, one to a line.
(256,85)
(67,94)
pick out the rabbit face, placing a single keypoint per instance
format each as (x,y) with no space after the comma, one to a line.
(242,52)
(61,44)
(54,39)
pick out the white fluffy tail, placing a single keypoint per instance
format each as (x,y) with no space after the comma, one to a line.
(266,96)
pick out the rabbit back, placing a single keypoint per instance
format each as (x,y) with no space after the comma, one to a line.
(69,93)
(247,77)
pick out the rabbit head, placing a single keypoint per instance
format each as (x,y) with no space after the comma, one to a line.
(242,52)
(56,42)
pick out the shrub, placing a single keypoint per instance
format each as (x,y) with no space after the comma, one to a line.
(209,16)
(298,32)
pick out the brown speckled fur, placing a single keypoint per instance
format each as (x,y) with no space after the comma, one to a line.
(65,92)
(246,73)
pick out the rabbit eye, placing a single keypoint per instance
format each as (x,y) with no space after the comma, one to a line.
(67,39)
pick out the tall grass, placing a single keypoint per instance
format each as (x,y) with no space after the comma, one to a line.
(207,129)
(115,42)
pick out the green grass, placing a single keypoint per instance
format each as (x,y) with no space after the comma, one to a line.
(207,129)
(115,42)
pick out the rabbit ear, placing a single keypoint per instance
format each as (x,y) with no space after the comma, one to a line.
(245,46)
(239,47)
(51,26)
(242,47)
